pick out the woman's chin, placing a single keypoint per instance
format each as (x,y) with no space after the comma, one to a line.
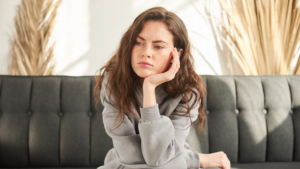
(144,74)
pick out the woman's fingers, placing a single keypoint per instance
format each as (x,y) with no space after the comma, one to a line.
(176,60)
(170,74)
(218,159)
(226,162)
(229,165)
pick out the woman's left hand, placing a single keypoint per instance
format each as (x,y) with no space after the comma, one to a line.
(157,79)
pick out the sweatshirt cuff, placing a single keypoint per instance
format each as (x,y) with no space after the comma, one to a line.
(197,159)
(193,159)
(149,114)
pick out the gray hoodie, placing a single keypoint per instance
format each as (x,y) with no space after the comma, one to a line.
(157,141)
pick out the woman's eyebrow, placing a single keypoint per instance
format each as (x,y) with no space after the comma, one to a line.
(156,41)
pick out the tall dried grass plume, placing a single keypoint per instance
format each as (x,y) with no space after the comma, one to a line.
(263,35)
(31,51)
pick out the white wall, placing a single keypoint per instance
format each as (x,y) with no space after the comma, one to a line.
(88,33)
(7,12)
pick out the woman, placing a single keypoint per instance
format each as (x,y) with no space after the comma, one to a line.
(150,89)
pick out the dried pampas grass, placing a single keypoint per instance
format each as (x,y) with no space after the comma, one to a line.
(266,34)
(263,35)
(31,51)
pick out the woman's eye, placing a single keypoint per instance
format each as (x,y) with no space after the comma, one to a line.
(158,47)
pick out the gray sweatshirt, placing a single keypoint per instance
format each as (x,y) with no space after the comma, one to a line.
(156,141)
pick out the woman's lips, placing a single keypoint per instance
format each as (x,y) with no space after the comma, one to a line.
(144,65)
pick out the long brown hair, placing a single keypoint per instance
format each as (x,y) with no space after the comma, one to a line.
(119,67)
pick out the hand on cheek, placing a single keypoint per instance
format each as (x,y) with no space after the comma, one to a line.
(168,75)
(169,63)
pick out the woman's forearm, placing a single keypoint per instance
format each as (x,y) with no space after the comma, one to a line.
(149,98)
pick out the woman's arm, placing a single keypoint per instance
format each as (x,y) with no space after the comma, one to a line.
(161,142)
(162,138)
(125,140)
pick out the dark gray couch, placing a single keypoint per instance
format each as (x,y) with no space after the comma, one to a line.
(51,122)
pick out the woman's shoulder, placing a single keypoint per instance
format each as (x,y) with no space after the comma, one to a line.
(105,77)
(105,90)
(105,85)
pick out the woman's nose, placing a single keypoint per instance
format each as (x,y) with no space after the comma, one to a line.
(147,51)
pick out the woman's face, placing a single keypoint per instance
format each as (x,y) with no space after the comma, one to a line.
(153,45)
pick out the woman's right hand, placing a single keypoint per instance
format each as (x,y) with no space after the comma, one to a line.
(218,159)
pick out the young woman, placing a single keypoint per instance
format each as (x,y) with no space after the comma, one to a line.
(151,95)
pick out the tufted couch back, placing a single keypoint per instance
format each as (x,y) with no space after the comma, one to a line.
(51,121)
(252,119)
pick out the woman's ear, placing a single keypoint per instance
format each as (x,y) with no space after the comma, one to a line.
(180,52)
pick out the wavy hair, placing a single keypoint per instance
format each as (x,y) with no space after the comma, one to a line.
(119,67)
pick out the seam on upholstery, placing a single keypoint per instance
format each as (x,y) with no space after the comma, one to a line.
(237,120)
(266,155)
(208,114)
(236,96)
(206,123)
(30,95)
(288,82)
(292,106)
(91,95)
(60,111)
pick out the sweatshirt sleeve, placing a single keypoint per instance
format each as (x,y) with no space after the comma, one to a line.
(126,142)
(163,137)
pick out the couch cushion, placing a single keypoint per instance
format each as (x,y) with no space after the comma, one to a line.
(269,165)
(251,118)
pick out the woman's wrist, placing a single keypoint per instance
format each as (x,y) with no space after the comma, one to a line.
(202,159)
(149,98)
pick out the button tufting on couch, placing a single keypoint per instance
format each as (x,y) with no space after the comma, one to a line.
(51,121)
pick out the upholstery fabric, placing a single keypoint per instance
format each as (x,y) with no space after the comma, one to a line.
(51,121)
